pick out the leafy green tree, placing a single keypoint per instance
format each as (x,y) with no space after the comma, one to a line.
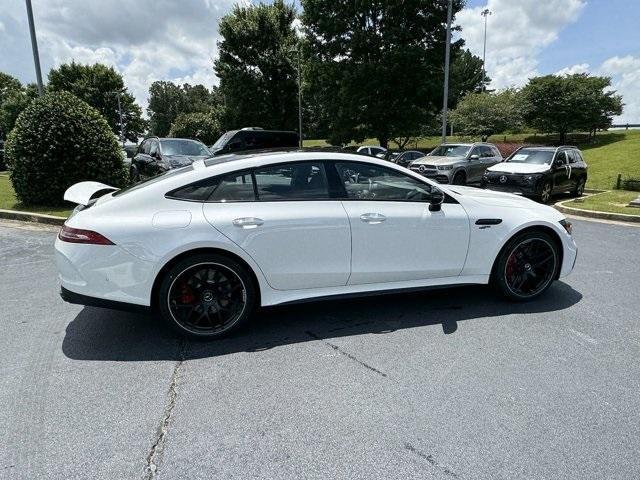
(376,67)
(484,114)
(563,104)
(8,86)
(100,86)
(465,76)
(258,78)
(59,140)
(201,126)
(168,100)
(13,104)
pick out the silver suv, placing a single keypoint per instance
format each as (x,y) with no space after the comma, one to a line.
(458,163)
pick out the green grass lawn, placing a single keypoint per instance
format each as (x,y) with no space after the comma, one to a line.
(610,153)
(615,201)
(8,200)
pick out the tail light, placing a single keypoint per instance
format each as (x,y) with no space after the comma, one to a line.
(76,235)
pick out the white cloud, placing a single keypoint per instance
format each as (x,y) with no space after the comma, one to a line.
(517,32)
(572,70)
(625,76)
(146,40)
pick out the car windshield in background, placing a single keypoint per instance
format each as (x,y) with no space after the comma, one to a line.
(223,139)
(529,155)
(183,147)
(451,151)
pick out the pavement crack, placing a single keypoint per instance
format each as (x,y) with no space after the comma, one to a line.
(154,456)
(429,458)
(347,354)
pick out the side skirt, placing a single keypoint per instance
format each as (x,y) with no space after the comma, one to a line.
(79,299)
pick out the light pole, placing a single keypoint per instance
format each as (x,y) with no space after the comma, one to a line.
(485,13)
(34,46)
(117,94)
(445,100)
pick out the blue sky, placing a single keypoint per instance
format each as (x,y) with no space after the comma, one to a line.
(525,38)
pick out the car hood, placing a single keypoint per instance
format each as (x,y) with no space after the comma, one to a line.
(176,161)
(512,167)
(433,160)
(491,198)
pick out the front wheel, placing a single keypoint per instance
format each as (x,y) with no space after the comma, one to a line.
(579,188)
(459,179)
(206,296)
(545,192)
(526,266)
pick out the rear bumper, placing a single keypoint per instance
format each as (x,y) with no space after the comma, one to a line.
(79,299)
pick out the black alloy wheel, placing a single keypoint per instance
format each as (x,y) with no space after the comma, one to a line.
(579,190)
(459,179)
(527,266)
(545,192)
(206,296)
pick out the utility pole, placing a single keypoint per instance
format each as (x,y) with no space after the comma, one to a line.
(34,47)
(121,122)
(299,96)
(485,13)
(445,100)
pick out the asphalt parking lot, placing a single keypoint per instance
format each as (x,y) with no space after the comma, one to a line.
(446,384)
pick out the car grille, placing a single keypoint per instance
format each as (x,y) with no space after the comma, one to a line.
(424,169)
(505,179)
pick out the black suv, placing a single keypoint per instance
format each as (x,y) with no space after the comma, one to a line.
(254,138)
(157,155)
(539,172)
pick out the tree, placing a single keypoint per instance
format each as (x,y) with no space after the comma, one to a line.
(466,76)
(13,104)
(201,126)
(168,100)
(100,86)
(484,114)
(563,104)
(8,86)
(377,66)
(59,140)
(256,67)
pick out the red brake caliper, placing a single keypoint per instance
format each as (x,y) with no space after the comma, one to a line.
(186,296)
(511,267)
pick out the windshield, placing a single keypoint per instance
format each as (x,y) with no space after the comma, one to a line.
(530,155)
(184,147)
(451,151)
(222,140)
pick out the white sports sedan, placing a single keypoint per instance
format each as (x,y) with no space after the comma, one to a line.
(206,244)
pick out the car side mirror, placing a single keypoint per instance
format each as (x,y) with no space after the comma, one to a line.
(437,198)
(558,163)
(474,157)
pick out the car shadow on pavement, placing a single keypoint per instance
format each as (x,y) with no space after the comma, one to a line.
(99,334)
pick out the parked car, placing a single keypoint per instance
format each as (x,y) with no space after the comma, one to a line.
(157,155)
(402,158)
(459,163)
(370,150)
(539,172)
(205,244)
(254,138)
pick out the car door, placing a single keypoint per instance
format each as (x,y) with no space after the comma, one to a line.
(490,157)
(475,166)
(394,235)
(560,172)
(296,233)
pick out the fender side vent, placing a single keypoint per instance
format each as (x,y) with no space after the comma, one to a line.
(489,221)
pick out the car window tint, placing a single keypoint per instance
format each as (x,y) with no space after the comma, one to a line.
(236,187)
(371,182)
(294,181)
(562,156)
(199,191)
(153,149)
(573,157)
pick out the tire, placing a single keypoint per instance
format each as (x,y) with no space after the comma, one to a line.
(545,192)
(579,188)
(460,178)
(523,276)
(206,296)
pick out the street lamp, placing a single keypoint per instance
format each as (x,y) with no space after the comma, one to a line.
(117,94)
(34,46)
(299,71)
(445,99)
(485,13)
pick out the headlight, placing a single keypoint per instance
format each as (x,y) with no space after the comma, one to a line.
(445,167)
(568,226)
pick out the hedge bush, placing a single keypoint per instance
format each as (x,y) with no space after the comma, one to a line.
(59,140)
(199,126)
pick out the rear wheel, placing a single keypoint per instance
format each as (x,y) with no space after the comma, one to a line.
(206,296)
(460,178)
(579,188)
(526,266)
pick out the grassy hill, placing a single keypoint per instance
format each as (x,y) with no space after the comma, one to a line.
(609,154)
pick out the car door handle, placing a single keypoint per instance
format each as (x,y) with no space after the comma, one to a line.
(372,218)
(248,222)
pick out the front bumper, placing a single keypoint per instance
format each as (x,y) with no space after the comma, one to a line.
(511,184)
(440,176)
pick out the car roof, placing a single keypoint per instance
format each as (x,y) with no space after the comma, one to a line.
(546,148)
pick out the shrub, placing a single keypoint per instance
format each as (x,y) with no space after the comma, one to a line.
(200,126)
(59,140)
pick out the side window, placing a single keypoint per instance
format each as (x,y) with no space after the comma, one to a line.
(153,149)
(235,187)
(293,181)
(476,151)
(573,156)
(486,152)
(562,156)
(196,192)
(146,146)
(496,152)
(371,182)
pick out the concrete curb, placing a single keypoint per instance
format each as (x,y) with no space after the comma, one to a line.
(31,217)
(578,212)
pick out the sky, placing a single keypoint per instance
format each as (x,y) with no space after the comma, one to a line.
(148,40)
